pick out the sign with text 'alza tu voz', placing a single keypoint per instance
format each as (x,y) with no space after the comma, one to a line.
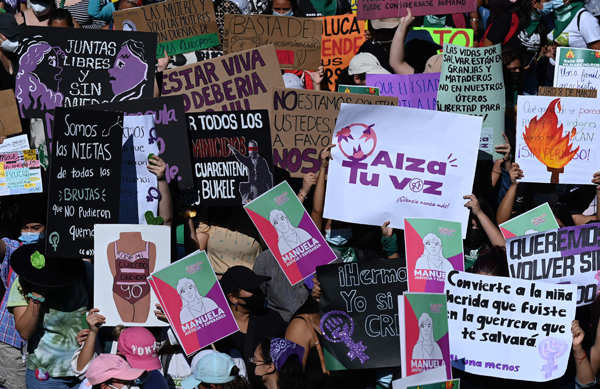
(59,69)
(84,179)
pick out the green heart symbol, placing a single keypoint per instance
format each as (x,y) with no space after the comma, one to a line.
(37,260)
(153,220)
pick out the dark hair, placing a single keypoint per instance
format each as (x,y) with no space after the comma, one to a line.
(291,374)
(238,382)
(492,261)
(61,14)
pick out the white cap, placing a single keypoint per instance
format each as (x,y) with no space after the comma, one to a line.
(365,63)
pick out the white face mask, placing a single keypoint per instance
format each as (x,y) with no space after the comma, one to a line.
(288,13)
(9,46)
(39,9)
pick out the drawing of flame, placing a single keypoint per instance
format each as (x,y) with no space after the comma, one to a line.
(597,54)
(545,139)
(570,54)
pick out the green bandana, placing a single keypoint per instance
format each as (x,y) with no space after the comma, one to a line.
(325,7)
(563,16)
(434,21)
(534,22)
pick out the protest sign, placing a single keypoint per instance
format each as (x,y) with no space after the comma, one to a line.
(124,256)
(392,162)
(297,41)
(568,255)
(359,320)
(169,132)
(424,340)
(380,9)
(343,35)
(538,219)
(577,68)
(289,232)
(302,122)
(232,156)
(358,90)
(426,377)
(20,173)
(456,36)
(510,328)
(15,143)
(566,92)
(451,384)
(182,26)
(89,67)
(433,249)
(9,114)
(194,302)
(84,179)
(556,139)
(412,90)
(234,82)
(472,83)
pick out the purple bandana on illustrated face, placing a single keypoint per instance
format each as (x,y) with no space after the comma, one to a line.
(282,349)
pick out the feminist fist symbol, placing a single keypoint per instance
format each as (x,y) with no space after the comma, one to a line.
(338,326)
(551,349)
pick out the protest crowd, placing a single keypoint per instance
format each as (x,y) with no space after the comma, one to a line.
(291,194)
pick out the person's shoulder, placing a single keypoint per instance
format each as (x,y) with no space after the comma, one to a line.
(154,380)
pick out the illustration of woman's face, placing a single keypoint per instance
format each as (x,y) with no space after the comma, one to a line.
(52,65)
(426,328)
(127,71)
(188,293)
(433,246)
(281,222)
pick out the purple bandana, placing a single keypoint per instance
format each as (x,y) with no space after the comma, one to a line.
(282,349)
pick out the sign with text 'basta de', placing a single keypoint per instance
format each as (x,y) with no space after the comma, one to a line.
(182,26)
(379,9)
(82,68)
(392,162)
(234,82)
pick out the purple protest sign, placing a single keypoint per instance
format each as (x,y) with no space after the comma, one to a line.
(413,90)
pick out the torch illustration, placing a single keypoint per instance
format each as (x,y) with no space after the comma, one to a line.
(545,139)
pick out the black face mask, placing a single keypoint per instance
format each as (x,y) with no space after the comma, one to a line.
(254,303)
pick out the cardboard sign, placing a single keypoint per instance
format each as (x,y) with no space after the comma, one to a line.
(361,297)
(433,249)
(392,162)
(557,139)
(84,179)
(343,35)
(566,92)
(472,83)
(89,67)
(380,9)
(9,114)
(124,257)
(297,41)
(289,232)
(232,156)
(571,258)
(456,36)
(577,68)
(358,90)
(20,173)
(234,82)
(424,342)
(302,122)
(182,26)
(194,302)
(412,90)
(538,219)
(169,133)
(510,328)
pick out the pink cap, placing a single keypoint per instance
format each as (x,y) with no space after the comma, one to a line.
(109,366)
(138,345)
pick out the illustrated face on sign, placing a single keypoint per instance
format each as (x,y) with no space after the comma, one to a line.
(253,149)
(425,327)
(280,221)
(432,245)
(187,290)
(129,69)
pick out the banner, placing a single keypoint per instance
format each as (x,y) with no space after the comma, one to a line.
(89,67)
(577,68)
(412,90)
(232,156)
(124,257)
(395,161)
(569,255)
(455,36)
(342,36)
(538,219)
(289,232)
(358,90)
(297,41)
(302,122)
(557,140)
(20,173)
(380,9)
(169,133)
(234,82)
(510,328)
(433,249)
(359,320)
(84,179)
(472,82)
(194,302)
(566,92)
(424,342)
(10,124)
(182,26)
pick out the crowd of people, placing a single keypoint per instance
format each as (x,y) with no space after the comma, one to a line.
(53,336)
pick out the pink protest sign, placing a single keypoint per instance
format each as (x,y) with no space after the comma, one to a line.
(379,9)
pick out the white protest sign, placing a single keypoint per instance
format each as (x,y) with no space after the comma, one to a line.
(569,255)
(577,68)
(396,162)
(557,140)
(509,328)
(15,143)
(427,377)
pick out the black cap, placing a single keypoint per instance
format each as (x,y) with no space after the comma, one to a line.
(240,277)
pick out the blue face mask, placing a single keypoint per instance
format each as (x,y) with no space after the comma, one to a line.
(548,8)
(30,237)
(556,4)
(288,13)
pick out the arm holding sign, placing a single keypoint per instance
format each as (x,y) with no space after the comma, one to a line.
(492,232)
(157,167)
(585,375)
(503,162)
(94,321)
(26,310)
(506,205)
(397,49)
(319,196)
